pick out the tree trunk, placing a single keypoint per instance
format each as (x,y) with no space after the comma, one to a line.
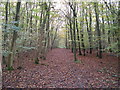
(66,43)
(73,8)
(90,28)
(5,35)
(103,27)
(118,29)
(78,37)
(12,48)
(98,30)
(74,33)
(31,17)
(109,28)
(82,30)
(71,34)
(89,31)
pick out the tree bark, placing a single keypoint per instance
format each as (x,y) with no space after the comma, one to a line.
(82,30)
(12,48)
(74,33)
(5,35)
(89,30)
(103,27)
(78,37)
(98,30)
(90,27)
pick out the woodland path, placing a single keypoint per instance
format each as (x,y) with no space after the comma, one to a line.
(60,71)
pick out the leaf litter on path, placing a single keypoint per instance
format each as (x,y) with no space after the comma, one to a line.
(59,70)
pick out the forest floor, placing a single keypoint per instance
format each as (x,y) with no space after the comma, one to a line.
(60,71)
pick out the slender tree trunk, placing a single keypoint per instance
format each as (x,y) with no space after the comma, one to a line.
(103,27)
(108,22)
(54,38)
(47,30)
(98,30)
(5,35)
(118,29)
(27,19)
(103,21)
(73,8)
(82,31)
(12,48)
(31,19)
(71,34)
(90,28)
(89,33)
(74,33)
(78,37)
(68,35)
(109,27)
(66,43)
(43,25)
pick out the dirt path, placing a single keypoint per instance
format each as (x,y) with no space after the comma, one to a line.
(60,71)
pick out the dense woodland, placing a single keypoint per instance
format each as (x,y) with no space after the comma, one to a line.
(83,28)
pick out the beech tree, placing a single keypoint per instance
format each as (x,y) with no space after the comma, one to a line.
(82,27)
(12,47)
(36,26)
(6,21)
(73,8)
(98,30)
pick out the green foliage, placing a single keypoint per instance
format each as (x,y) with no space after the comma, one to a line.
(10,68)
(36,17)
(77,61)
(11,27)
(115,75)
(113,47)
(36,61)
(36,10)
(27,32)
(5,53)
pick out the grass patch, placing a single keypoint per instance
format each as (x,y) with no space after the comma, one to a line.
(77,61)
(36,61)
(10,68)
(115,76)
